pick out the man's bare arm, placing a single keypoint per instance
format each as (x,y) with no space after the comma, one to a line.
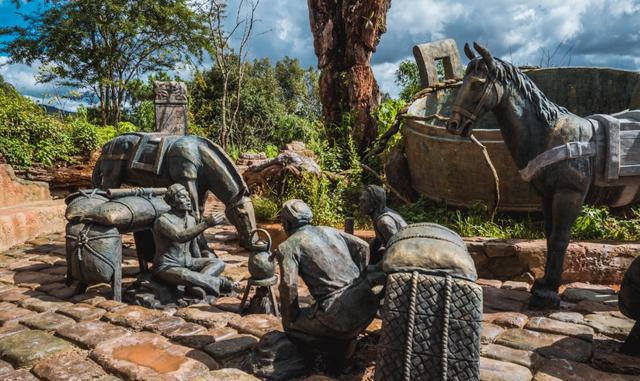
(176,234)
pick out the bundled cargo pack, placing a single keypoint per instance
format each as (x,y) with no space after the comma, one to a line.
(128,214)
(432,314)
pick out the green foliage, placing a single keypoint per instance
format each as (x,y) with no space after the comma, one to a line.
(592,224)
(325,198)
(408,78)
(271,151)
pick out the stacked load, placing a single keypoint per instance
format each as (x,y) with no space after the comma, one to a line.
(93,235)
(432,311)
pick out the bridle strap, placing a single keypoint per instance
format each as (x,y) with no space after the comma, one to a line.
(491,84)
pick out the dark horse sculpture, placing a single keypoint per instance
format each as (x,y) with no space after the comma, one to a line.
(195,162)
(531,125)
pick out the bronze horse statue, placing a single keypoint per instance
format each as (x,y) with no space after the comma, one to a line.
(554,150)
(156,160)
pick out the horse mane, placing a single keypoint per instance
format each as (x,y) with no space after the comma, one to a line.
(509,75)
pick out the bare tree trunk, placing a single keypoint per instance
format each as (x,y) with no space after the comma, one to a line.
(345,34)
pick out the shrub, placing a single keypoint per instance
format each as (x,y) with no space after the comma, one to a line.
(84,136)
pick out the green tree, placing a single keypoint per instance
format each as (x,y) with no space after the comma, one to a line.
(102,46)
(408,78)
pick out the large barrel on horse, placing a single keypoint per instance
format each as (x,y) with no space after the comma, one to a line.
(451,169)
(432,312)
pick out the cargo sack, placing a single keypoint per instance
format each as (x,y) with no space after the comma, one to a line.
(128,214)
(94,253)
(428,246)
(430,329)
(82,202)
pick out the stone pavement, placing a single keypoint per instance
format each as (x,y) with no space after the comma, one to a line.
(48,334)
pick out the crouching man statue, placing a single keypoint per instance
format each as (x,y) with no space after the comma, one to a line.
(175,235)
(332,264)
(386,221)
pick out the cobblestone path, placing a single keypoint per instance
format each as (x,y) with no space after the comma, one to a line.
(47,333)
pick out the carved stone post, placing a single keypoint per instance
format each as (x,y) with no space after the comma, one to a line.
(171,107)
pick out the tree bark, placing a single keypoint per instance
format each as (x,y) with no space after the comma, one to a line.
(345,34)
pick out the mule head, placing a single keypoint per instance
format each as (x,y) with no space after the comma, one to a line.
(479,92)
(241,214)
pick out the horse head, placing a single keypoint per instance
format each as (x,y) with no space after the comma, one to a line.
(241,214)
(479,93)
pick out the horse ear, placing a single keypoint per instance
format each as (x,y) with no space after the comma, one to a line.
(486,55)
(468,52)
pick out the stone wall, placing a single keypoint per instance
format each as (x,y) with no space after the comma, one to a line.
(593,262)
(26,209)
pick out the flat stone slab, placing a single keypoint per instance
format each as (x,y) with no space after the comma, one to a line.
(135,317)
(164,323)
(494,370)
(14,315)
(607,357)
(257,324)
(210,317)
(82,311)
(490,332)
(90,333)
(26,348)
(506,319)
(231,347)
(546,344)
(47,321)
(20,375)
(148,356)
(12,329)
(609,324)
(205,338)
(43,303)
(231,374)
(527,359)
(568,317)
(228,303)
(69,366)
(544,324)
(565,370)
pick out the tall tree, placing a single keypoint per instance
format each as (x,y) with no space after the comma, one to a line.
(103,45)
(346,33)
(229,60)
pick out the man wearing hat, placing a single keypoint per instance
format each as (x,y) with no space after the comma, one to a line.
(175,234)
(332,264)
(386,221)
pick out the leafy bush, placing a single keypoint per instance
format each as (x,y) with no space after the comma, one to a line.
(271,151)
(84,136)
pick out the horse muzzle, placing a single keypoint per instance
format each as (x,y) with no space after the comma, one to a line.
(457,126)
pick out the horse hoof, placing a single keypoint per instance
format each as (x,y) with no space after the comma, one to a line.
(542,299)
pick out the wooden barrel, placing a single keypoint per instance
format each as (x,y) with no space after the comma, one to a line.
(449,168)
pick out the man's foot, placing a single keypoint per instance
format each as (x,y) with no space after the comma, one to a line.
(197,292)
(229,287)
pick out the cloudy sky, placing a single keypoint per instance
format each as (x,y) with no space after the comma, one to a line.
(538,32)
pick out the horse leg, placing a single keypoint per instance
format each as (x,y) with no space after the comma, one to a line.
(547,211)
(565,207)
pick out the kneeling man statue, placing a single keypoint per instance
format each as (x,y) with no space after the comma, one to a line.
(332,264)
(175,234)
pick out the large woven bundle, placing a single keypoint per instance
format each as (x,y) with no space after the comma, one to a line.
(432,313)
(430,329)
(94,253)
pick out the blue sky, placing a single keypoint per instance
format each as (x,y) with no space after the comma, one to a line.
(582,32)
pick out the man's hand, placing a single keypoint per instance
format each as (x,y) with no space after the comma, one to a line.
(214,219)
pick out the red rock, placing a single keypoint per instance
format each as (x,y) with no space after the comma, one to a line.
(546,344)
(257,324)
(110,305)
(229,304)
(26,348)
(232,347)
(44,303)
(231,374)
(489,333)
(164,323)
(610,324)
(210,317)
(11,329)
(527,359)
(68,366)
(19,375)
(82,312)
(47,321)
(14,315)
(544,324)
(146,356)
(506,319)
(134,317)
(489,283)
(565,370)
(15,294)
(494,370)
(90,333)
(205,338)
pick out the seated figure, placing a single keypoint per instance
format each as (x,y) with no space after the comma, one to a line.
(386,221)
(176,240)
(332,264)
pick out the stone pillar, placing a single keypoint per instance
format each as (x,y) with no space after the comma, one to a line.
(171,107)
(426,56)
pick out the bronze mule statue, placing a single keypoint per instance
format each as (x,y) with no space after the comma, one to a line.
(157,160)
(557,151)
